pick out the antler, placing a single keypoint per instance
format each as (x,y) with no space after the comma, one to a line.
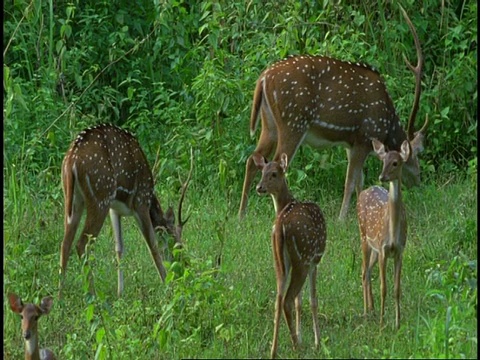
(417,70)
(184,190)
(424,127)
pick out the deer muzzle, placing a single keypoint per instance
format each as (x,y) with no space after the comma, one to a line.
(384,178)
(261,190)
(27,334)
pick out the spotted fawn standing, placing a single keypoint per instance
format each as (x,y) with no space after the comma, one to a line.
(298,242)
(383,226)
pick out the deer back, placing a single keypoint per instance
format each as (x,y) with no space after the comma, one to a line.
(374,216)
(108,164)
(302,227)
(332,101)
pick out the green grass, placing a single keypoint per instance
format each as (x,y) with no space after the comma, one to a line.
(227,312)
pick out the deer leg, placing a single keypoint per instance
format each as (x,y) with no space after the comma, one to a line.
(354,178)
(281,289)
(373,261)
(290,146)
(282,268)
(93,224)
(314,302)
(117,232)
(382,261)
(145,223)
(71,226)
(297,280)
(298,314)
(366,276)
(397,289)
(265,148)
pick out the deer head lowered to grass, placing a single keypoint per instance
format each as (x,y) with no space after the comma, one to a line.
(324,102)
(106,171)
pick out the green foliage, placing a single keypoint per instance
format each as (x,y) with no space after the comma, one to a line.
(199,312)
(453,286)
(452,101)
(184,70)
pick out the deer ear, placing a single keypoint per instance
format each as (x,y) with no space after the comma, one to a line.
(417,143)
(379,148)
(15,303)
(46,305)
(284,162)
(259,160)
(405,150)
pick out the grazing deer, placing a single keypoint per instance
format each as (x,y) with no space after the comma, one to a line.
(383,226)
(323,102)
(30,313)
(105,170)
(298,242)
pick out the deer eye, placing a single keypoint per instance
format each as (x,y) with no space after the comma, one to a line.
(274,175)
(395,163)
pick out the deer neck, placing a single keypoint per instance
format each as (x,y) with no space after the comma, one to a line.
(282,198)
(394,210)
(31,348)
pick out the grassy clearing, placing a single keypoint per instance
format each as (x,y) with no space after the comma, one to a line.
(206,311)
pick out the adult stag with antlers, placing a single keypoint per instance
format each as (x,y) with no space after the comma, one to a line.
(323,102)
(105,170)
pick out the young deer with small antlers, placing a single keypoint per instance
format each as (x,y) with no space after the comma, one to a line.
(383,227)
(324,102)
(30,313)
(105,170)
(298,242)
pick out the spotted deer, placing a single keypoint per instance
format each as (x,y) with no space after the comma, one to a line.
(105,170)
(383,226)
(30,313)
(323,102)
(298,242)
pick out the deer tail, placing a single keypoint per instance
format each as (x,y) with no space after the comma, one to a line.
(257,102)
(278,244)
(68,180)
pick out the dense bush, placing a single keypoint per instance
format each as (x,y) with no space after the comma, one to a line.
(185,70)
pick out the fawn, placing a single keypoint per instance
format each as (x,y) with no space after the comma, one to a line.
(298,242)
(30,313)
(383,226)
